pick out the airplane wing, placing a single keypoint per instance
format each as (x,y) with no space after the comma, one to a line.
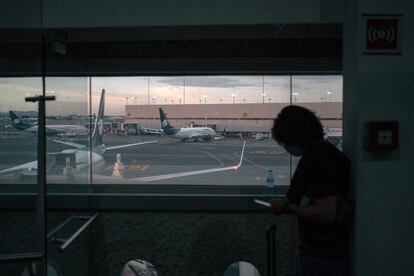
(24,167)
(130,145)
(78,146)
(173,175)
(51,130)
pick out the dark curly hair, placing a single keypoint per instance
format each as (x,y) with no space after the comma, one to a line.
(296,125)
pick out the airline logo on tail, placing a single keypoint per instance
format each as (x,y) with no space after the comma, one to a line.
(17,123)
(164,123)
(166,126)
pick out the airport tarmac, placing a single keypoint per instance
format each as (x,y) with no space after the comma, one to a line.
(168,156)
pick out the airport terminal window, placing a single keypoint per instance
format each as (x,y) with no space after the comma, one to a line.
(323,95)
(200,139)
(67,130)
(169,130)
(18,121)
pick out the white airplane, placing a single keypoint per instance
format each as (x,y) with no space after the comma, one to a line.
(195,133)
(70,130)
(81,152)
(153,131)
(83,156)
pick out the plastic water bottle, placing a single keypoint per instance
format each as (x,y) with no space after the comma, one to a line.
(270,183)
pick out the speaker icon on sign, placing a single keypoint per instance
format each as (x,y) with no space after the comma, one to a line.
(382,34)
(387,34)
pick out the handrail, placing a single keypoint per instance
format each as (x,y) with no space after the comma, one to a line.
(78,232)
(20,257)
(60,226)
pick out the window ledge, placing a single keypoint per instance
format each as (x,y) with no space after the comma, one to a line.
(154,198)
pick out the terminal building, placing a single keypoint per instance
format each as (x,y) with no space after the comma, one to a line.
(246,117)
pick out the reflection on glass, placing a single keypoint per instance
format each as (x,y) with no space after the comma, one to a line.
(18,130)
(67,129)
(139,267)
(241,269)
(32,270)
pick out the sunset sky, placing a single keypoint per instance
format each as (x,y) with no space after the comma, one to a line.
(169,90)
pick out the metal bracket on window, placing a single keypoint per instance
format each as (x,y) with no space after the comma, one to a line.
(21,257)
(68,241)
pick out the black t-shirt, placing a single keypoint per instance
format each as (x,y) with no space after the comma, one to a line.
(322,171)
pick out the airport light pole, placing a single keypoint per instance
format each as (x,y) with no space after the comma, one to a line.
(184,90)
(295,96)
(148,90)
(263,91)
(329,93)
(205,99)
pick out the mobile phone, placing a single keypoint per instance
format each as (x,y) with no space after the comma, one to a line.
(261,202)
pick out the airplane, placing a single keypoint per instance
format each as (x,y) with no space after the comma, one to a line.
(195,133)
(151,131)
(83,161)
(81,152)
(70,130)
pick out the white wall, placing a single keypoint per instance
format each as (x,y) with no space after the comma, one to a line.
(376,88)
(110,13)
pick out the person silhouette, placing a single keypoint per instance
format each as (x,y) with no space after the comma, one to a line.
(317,194)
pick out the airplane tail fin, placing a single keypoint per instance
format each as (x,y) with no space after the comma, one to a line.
(166,126)
(98,128)
(17,123)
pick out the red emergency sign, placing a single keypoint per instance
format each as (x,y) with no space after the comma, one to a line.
(382,34)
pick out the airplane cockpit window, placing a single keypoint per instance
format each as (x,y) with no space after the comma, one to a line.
(160,130)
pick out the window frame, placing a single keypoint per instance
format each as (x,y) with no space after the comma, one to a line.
(143,197)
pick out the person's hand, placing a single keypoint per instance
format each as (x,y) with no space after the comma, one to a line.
(278,205)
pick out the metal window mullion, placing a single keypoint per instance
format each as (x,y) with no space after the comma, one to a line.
(290,155)
(41,162)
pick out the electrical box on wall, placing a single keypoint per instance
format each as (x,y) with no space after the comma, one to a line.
(381,136)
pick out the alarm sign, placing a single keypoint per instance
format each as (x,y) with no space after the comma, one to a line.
(382,34)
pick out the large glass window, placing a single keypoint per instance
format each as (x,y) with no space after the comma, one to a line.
(172,130)
(323,95)
(18,130)
(67,130)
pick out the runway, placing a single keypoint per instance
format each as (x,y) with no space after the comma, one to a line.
(167,156)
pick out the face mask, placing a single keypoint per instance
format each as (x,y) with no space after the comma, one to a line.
(294,150)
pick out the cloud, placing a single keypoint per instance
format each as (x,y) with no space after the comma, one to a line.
(207,81)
